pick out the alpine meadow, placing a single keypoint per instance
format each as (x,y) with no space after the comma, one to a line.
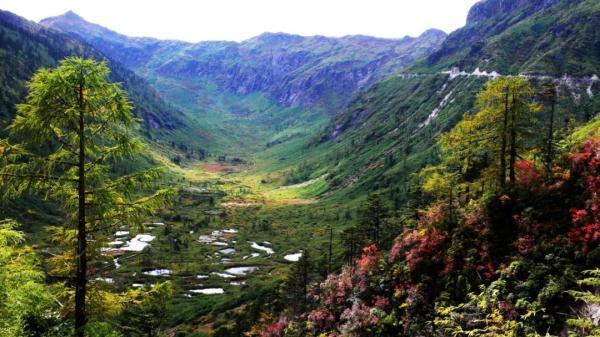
(445,184)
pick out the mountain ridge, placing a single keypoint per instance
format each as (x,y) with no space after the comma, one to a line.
(72,17)
(157,114)
(259,63)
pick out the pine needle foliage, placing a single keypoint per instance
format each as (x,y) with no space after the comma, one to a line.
(73,127)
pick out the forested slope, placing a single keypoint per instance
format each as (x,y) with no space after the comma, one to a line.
(390,131)
(26,46)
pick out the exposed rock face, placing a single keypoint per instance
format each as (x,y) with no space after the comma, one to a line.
(290,69)
(486,9)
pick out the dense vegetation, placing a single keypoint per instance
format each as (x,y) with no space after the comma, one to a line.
(500,246)
(390,131)
(292,186)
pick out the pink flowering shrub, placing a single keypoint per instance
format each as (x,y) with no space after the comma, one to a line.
(368,260)
(381,302)
(322,319)
(357,317)
(419,248)
(276,329)
(586,164)
(337,288)
(528,175)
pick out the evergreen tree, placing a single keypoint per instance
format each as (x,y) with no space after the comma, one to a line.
(493,138)
(147,316)
(26,305)
(584,325)
(352,241)
(73,127)
(549,96)
(373,218)
(301,275)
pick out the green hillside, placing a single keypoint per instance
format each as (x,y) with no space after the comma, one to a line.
(26,46)
(303,186)
(390,131)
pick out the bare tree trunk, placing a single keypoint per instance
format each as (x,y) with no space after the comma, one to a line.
(81,277)
(550,144)
(330,249)
(513,141)
(503,146)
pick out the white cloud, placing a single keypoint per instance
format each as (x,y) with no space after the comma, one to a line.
(241,19)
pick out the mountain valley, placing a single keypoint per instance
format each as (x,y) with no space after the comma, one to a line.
(321,186)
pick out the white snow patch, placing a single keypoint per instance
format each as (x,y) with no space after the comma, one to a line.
(138,243)
(593,79)
(156,223)
(208,291)
(137,285)
(202,276)
(263,248)
(105,280)
(205,239)
(223,275)
(293,257)
(237,283)
(158,272)
(121,233)
(230,231)
(227,251)
(241,271)
(116,243)
(220,243)
(437,110)
(117,264)
(251,255)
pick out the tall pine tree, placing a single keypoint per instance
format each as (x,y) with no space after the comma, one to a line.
(71,130)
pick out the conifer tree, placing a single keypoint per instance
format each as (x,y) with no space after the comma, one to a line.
(373,218)
(147,317)
(301,275)
(24,298)
(494,135)
(71,130)
(549,96)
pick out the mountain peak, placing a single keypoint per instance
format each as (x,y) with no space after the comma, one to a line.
(433,33)
(277,37)
(71,15)
(72,23)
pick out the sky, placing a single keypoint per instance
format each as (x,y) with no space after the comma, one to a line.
(237,20)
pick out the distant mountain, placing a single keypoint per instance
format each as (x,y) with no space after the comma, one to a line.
(391,130)
(289,69)
(26,46)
